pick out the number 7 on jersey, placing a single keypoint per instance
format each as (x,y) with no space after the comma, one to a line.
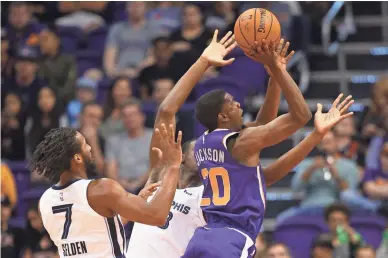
(67,209)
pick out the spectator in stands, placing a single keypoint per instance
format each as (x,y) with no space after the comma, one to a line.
(375,182)
(11,237)
(261,246)
(8,186)
(366,251)
(222,17)
(128,44)
(86,92)
(26,82)
(127,153)
(47,116)
(82,14)
(90,120)
(166,14)
(190,40)
(118,93)
(21,29)
(375,123)
(345,132)
(160,69)
(344,238)
(57,68)
(278,250)
(162,87)
(13,118)
(6,60)
(322,247)
(193,35)
(38,240)
(323,179)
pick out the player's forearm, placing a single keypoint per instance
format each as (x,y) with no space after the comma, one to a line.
(178,95)
(269,110)
(161,203)
(292,158)
(298,107)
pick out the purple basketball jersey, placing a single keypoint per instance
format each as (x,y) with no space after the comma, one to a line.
(234,194)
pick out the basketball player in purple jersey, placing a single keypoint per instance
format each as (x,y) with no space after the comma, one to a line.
(227,156)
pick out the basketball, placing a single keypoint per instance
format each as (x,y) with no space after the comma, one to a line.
(256,24)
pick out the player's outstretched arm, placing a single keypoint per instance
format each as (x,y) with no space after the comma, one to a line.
(254,139)
(111,195)
(269,110)
(323,123)
(213,55)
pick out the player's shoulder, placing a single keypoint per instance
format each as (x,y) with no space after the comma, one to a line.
(103,187)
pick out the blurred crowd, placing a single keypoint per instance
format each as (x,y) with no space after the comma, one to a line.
(148,48)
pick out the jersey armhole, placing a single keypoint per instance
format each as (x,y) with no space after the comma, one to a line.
(228,137)
(200,212)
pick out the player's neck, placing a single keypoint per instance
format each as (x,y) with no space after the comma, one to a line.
(68,177)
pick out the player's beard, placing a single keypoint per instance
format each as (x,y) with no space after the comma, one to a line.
(90,168)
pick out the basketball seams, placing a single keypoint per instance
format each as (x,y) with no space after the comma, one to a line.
(242,34)
(270,27)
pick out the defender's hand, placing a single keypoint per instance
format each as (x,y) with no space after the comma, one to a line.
(214,54)
(149,190)
(323,122)
(170,150)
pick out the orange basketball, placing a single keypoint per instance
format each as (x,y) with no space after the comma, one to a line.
(256,24)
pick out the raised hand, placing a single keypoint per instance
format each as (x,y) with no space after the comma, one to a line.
(269,54)
(214,54)
(323,122)
(170,152)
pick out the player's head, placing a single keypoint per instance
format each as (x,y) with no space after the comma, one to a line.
(336,215)
(62,150)
(278,250)
(365,251)
(189,173)
(218,109)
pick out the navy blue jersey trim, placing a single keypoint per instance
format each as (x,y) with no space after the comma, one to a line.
(55,187)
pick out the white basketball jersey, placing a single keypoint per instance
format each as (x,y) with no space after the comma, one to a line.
(170,240)
(75,228)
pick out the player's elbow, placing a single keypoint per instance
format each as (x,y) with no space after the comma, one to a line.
(165,110)
(303,117)
(158,220)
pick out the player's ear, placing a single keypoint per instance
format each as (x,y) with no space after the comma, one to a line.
(78,158)
(223,117)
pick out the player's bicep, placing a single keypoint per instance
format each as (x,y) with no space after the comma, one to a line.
(128,206)
(254,139)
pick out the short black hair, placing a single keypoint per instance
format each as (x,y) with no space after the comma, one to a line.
(53,155)
(208,107)
(161,39)
(90,103)
(337,207)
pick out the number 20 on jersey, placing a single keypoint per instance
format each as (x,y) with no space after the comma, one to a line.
(216,198)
